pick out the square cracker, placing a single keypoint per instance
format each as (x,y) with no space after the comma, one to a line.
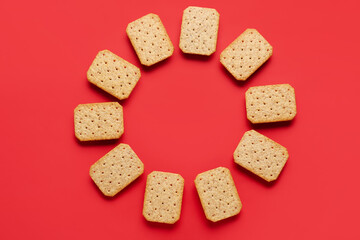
(116,170)
(199,30)
(163,197)
(98,121)
(113,74)
(246,54)
(261,155)
(270,103)
(218,195)
(150,39)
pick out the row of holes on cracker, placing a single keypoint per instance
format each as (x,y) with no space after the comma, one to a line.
(199,30)
(216,188)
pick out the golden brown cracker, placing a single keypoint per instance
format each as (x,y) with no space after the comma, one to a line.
(261,155)
(113,74)
(218,195)
(246,54)
(270,103)
(116,170)
(98,121)
(163,197)
(150,40)
(199,30)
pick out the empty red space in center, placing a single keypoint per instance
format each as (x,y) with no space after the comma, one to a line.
(188,111)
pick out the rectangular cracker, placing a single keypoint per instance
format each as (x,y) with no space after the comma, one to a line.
(116,170)
(246,54)
(261,155)
(150,39)
(113,74)
(98,121)
(218,195)
(163,197)
(270,103)
(199,30)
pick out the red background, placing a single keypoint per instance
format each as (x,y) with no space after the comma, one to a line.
(185,115)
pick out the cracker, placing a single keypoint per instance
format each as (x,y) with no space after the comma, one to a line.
(98,121)
(261,155)
(199,30)
(113,74)
(163,197)
(218,195)
(150,39)
(116,170)
(271,103)
(246,54)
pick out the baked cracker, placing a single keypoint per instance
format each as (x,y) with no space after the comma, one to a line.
(199,30)
(98,121)
(218,195)
(150,40)
(270,103)
(163,197)
(113,74)
(261,155)
(116,170)
(246,54)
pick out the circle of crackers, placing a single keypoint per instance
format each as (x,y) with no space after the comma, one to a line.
(205,44)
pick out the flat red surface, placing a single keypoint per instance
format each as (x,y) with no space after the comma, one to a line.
(186,115)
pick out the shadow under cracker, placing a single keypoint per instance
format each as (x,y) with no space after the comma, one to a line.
(196,57)
(156,65)
(255,177)
(96,142)
(236,82)
(284,124)
(106,94)
(148,68)
(240,83)
(224,221)
(123,191)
